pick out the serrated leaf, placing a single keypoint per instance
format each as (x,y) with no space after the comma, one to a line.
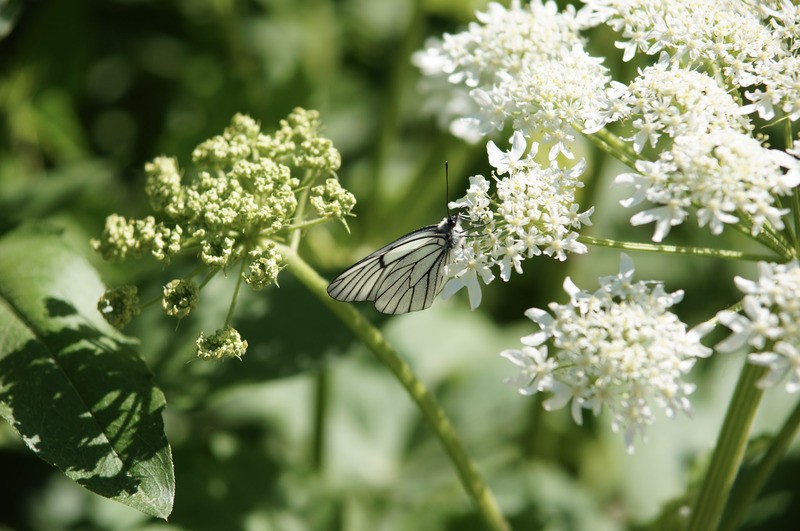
(72,387)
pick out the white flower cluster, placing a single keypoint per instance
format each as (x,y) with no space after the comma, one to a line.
(753,43)
(770,323)
(532,211)
(523,65)
(724,175)
(618,348)
(709,162)
(665,99)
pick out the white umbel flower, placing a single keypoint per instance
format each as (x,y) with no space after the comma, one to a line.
(769,324)
(531,211)
(722,175)
(665,100)
(522,65)
(618,348)
(755,43)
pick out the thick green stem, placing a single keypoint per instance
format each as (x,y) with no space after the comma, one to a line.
(727,456)
(676,249)
(432,412)
(748,487)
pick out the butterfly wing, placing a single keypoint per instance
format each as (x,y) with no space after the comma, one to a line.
(401,277)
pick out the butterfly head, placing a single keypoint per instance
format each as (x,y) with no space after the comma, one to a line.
(451,226)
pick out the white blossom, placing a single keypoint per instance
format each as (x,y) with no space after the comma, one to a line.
(536,369)
(531,211)
(770,323)
(617,348)
(469,263)
(522,65)
(753,44)
(721,174)
(664,99)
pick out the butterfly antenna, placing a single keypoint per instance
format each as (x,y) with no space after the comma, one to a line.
(447,188)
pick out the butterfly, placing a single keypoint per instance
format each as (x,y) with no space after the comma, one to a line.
(405,275)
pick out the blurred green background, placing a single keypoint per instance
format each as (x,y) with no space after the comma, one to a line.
(91,90)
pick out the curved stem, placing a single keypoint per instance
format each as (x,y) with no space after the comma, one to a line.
(677,249)
(727,457)
(430,409)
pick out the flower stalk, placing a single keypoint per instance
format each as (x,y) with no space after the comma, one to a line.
(748,486)
(727,456)
(692,126)
(372,338)
(675,249)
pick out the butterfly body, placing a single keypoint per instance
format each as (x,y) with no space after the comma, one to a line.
(405,275)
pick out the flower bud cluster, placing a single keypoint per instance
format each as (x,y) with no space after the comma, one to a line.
(241,196)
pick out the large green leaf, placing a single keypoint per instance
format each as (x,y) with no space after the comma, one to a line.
(74,389)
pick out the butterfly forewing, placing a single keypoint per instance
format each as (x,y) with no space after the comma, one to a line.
(401,277)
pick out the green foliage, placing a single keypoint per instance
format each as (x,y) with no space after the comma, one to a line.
(76,392)
(307,431)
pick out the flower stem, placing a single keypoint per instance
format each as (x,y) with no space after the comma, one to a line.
(796,194)
(728,453)
(430,409)
(235,293)
(614,146)
(211,274)
(299,213)
(796,217)
(748,486)
(321,386)
(676,249)
(767,237)
(306,224)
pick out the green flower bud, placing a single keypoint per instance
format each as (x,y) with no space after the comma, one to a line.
(124,237)
(224,343)
(218,252)
(331,200)
(235,143)
(180,297)
(264,268)
(163,186)
(119,305)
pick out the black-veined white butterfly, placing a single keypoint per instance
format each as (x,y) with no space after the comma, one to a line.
(404,276)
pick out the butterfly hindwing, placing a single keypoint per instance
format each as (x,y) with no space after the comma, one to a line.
(411,284)
(403,276)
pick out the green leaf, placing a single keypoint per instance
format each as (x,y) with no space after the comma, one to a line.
(70,385)
(57,190)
